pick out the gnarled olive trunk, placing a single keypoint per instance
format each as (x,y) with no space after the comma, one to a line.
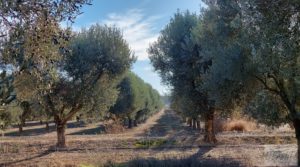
(20,129)
(194,123)
(61,138)
(134,123)
(296,123)
(47,126)
(129,123)
(198,124)
(21,125)
(210,136)
(189,122)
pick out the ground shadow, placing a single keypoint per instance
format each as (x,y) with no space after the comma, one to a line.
(171,127)
(93,131)
(42,129)
(45,153)
(169,123)
(196,160)
(33,123)
(32,132)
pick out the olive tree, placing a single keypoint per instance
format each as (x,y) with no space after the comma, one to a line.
(7,96)
(176,57)
(251,53)
(275,52)
(88,65)
(137,100)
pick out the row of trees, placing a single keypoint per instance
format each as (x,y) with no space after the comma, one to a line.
(235,53)
(83,79)
(137,100)
(60,72)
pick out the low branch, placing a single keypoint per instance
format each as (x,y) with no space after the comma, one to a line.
(266,85)
(72,112)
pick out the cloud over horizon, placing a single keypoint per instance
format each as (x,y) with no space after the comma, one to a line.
(138,29)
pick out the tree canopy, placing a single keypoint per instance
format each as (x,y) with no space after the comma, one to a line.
(137,100)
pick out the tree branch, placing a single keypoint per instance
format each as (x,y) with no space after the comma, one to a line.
(50,104)
(267,86)
(290,103)
(72,112)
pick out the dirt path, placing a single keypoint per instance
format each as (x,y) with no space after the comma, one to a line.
(174,140)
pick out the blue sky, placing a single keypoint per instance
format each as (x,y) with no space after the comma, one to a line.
(141,21)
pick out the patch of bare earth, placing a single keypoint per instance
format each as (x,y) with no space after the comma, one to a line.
(87,145)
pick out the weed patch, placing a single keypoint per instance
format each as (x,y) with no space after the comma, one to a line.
(150,143)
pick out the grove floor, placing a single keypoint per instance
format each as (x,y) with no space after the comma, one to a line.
(87,145)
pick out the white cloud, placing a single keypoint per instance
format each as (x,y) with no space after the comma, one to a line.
(137,28)
(148,69)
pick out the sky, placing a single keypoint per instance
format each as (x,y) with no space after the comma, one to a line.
(141,22)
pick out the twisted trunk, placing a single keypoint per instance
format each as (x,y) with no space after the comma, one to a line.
(61,138)
(47,126)
(129,123)
(210,136)
(194,124)
(134,123)
(296,123)
(20,129)
(198,125)
(21,125)
(189,122)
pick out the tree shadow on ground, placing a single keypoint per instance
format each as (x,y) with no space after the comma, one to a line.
(92,131)
(196,160)
(36,131)
(169,123)
(32,132)
(33,123)
(170,127)
(12,163)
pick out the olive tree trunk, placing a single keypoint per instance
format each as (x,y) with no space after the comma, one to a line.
(61,138)
(198,124)
(21,125)
(134,123)
(47,126)
(296,123)
(210,136)
(20,129)
(129,123)
(189,122)
(194,124)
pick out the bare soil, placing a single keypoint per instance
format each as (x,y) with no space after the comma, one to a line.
(88,145)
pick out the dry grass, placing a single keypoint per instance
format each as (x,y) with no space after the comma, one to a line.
(240,125)
(115,127)
(149,143)
(10,148)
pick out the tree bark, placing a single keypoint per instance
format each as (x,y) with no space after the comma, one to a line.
(47,126)
(296,123)
(61,138)
(129,123)
(189,122)
(20,129)
(198,125)
(210,136)
(134,123)
(194,123)
(21,125)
